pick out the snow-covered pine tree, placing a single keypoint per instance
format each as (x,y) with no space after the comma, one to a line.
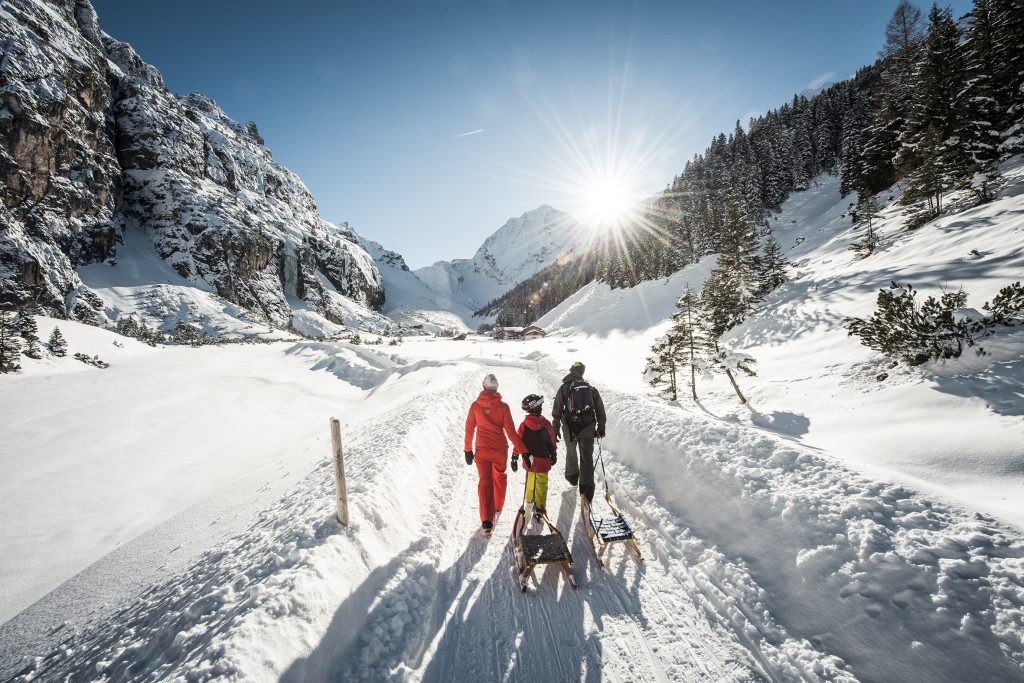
(739,247)
(981,113)
(687,344)
(1009,74)
(1007,307)
(29,331)
(187,333)
(866,213)
(893,97)
(852,140)
(58,345)
(772,272)
(802,162)
(723,305)
(10,343)
(902,328)
(127,326)
(723,309)
(931,152)
(928,179)
(663,367)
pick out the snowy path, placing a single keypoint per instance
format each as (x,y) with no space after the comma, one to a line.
(765,561)
(463,617)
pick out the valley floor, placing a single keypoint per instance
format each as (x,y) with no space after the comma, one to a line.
(174,520)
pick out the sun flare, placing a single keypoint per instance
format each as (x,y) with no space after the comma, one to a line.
(607,201)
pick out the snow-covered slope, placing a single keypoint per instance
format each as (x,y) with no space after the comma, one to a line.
(408,300)
(516,251)
(954,428)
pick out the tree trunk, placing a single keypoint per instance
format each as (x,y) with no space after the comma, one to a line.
(693,381)
(735,386)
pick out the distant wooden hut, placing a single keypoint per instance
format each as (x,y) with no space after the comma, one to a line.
(534,332)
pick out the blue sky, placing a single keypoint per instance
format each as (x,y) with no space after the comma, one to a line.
(367,101)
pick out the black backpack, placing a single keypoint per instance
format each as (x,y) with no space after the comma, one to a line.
(579,404)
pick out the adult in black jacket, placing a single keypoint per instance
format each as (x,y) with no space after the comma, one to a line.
(579,470)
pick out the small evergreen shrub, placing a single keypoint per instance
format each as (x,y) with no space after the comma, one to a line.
(916,332)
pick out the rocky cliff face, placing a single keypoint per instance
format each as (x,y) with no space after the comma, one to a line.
(92,142)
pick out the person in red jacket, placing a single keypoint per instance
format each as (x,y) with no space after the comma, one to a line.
(490,420)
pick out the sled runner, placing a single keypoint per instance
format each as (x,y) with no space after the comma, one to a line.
(604,532)
(531,550)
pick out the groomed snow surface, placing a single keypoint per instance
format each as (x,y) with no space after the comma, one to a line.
(171,516)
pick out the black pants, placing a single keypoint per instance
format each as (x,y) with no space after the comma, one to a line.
(580,468)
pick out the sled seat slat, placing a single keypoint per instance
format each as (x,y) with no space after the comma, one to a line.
(612,529)
(544,548)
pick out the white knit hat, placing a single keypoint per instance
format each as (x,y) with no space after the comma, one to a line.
(491,382)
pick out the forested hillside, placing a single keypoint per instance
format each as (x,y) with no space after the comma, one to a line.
(938,110)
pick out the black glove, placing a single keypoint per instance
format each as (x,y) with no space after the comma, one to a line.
(515,462)
(469,457)
(554,459)
(527,459)
(600,431)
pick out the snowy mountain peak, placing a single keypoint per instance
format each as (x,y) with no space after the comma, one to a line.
(514,252)
(526,244)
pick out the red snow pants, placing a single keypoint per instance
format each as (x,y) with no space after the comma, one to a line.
(491,488)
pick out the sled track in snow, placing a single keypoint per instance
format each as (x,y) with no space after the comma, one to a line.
(619,626)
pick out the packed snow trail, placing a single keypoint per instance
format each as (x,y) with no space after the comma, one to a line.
(412,591)
(453,611)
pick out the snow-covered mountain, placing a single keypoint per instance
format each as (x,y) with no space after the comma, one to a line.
(101,163)
(408,300)
(513,253)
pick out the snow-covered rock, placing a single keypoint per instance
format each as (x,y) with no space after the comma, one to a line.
(93,144)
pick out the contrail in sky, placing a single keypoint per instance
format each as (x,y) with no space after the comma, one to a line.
(472,132)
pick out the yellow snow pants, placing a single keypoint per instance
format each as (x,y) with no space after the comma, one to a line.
(537,489)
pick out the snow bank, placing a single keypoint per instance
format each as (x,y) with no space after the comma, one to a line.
(898,586)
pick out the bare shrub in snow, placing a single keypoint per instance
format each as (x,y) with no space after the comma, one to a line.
(94,361)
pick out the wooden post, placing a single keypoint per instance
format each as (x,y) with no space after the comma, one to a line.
(339,472)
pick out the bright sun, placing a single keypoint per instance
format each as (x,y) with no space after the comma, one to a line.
(607,202)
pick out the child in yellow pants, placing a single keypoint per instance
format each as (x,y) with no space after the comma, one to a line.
(539,437)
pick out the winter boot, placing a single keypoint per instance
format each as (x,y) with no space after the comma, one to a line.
(587,490)
(487,527)
(538,514)
(573,479)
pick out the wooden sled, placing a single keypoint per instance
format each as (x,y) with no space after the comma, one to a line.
(532,550)
(604,532)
